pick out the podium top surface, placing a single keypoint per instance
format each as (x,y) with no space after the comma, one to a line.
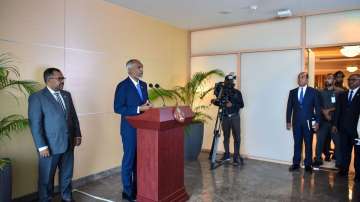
(161,118)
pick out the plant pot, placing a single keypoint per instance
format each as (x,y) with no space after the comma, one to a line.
(5,183)
(193,140)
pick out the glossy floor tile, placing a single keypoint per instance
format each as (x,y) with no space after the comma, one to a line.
(255,181)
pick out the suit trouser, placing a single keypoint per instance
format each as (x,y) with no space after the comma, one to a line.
(302,132)
(232,124)
(347,144)
(128,166)
(47,169)
(322,135)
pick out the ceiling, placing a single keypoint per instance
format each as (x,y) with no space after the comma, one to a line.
(196,14)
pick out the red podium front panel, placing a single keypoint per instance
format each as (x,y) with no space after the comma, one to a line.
(160,154)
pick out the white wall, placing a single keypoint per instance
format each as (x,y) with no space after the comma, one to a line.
(333,28)
(261,70)
(275,34)
(265,84)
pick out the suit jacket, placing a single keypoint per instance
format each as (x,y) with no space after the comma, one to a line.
(307,110)
(347,114)
(127,100)
(50,125)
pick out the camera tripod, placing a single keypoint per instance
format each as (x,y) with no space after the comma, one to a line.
(214,146)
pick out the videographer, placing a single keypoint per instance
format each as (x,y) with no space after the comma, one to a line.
(230,100)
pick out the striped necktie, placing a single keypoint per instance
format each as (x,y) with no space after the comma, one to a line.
(58,99)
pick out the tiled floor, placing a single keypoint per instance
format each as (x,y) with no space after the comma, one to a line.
(254,181)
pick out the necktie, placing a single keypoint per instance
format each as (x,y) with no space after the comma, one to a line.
(301,98)
(139,90)
(58,99)
(350,96)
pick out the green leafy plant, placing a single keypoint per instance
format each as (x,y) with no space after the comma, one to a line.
(11,84)
(189,94)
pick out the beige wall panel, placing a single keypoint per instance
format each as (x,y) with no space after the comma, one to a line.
(274,34)
(101,147)
(333,28)
(100,38)
(31,61)
(227,63)
(33,21)
(91,78)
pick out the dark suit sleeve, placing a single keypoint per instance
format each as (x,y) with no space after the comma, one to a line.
(120,105)
(74,118)
(36,121)
(239,100)
(317,106)
(289,108)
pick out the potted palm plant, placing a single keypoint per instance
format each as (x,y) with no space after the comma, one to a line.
(191,95)
(9,124)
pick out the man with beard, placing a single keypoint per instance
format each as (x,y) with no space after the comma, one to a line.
(55,130)
(131,99)
(328,99)
(346,121)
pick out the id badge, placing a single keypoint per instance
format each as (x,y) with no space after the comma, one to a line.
(333,99)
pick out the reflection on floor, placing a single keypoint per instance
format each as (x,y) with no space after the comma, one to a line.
(254,181)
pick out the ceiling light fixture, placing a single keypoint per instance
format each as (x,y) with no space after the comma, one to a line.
(284,13)
(253,7)
(352,69)
(350,51)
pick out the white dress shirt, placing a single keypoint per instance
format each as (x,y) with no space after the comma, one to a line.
(299,90)
(354,93)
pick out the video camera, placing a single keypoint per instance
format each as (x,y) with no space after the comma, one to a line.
(224,90)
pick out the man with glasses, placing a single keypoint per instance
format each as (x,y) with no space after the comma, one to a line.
(346,121)
(55,129)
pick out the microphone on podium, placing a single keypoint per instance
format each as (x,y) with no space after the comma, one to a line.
(156,88)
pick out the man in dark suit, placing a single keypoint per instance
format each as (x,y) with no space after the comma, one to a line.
(55,130)
(346,120)
(131,98)
(302,114)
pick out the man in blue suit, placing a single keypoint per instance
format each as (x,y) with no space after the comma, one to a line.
(131,98)
(302,114)
(55,130)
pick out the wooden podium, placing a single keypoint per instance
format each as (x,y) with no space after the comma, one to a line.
(160,154)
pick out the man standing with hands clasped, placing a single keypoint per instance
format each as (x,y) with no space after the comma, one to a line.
(55,130)
(131,99)
(302,114)
(346,120)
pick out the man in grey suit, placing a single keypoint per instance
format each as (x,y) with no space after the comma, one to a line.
(55,130)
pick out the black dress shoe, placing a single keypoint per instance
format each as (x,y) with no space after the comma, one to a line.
(294,168)
(308,169)
(128,197)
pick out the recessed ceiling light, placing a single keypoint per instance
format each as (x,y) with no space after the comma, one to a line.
(224,12)
(253,7)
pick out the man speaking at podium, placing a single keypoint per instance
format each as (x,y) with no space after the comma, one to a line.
(131,98)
